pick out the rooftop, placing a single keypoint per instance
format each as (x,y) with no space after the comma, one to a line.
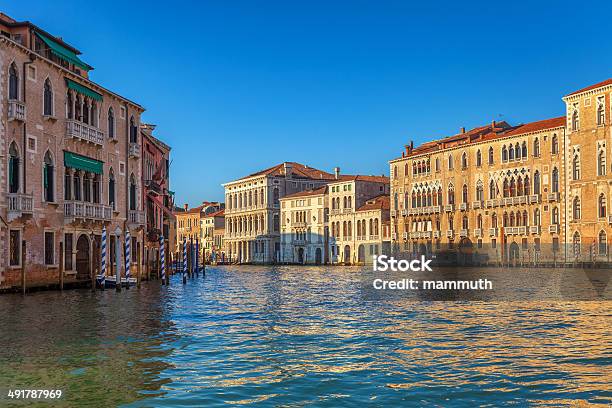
(595,86)
(298,171)
(380,202)
(306,193)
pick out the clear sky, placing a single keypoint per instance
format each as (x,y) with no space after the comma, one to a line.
(239,86)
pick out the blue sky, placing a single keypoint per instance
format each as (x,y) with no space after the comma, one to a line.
(235,87)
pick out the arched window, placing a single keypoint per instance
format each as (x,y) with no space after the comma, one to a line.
(505,153)
(601,205)
(394,172)
(69,106)
(86,111)
(555,180)
(261,196)
(512,188)
(350,202)
(14,169)
(576,242)
(464,193)
(575,120)
(437,164)
(439,195)
(536,182)
(491,155)
(13,91)
(451,194)
(375,226)
(48,178)
(519,187)
(76,181)
(479,221)
(536,217)
(464,160)
(510,153)
(275,223)
(526,185)
(395,202)
(601,163)
(111,123)
(406,170)
(493,220)
(601,119)
(465,222)
(133,191)
(525,218)
(603,243)
(506,189)
(47,98)
(478,158)
(517,151)
(492,190)
(536,147)
(512,219)
(275,196)
(576,208)
(450,162)
(576,168)
(555,216)
(524,150)
(133,130)
(554,145)
(94,114)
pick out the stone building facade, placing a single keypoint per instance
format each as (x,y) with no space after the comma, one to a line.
(212,242)
(189,224)
(157,198)
(252,215)
(69,161)
(348,210)
(498,189)
(588,113)
(304,227)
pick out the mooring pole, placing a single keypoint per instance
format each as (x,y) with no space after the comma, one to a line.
(61,265)
(23,262)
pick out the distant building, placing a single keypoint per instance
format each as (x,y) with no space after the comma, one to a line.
(189,222)
(304,227)
(212,241)
(252,216)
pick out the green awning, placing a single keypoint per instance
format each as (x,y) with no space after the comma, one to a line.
(76,161)
(83,90)
(63,52)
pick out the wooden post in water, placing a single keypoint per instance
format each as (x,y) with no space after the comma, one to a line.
(61,265)
(23,262)
(139,264)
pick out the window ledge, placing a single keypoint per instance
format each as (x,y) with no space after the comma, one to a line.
(70,273)
(52,203)
(51,118)
(113,140)
(55,266)
(14,267)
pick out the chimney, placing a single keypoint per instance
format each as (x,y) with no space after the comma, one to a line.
(337,172)
(186,206)
(288,169)
(462,130)
(493,124)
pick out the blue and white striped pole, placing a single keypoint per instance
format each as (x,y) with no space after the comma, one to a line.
(163,259)
(127,258)
(103,266)
(184,261)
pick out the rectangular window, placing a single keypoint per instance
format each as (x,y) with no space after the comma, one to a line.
(15,248)
(68,252)
(49,248)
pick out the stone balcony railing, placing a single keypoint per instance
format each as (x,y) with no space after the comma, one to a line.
(449,208)
(463,233)
(405,235)
(553,229)
(553,196)
(478,232)
(534,198)
(374,237)
(83,131)
(449,233)
(19,204)
(493,232)
(86,211)
(535,229)
(463,206)
(134,150)
(16,110)
(476,204)
(136,217)
(436,234)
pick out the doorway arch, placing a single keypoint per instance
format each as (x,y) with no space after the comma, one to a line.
(83,262)
(513,253)
(300,254)
(361,253)
(318,256)
(347,254)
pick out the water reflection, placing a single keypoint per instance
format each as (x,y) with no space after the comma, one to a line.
(294,336)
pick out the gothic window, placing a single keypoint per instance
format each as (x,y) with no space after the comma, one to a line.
(111,123)
(47,98)
(603,243)
(575,120)
(491,156)
(601,163)
(536,147)
(14,169)
(48,178)
(13,93)
(576,208)
(576,168)
(601,204)
(555,180)
(554,145)
(478,158)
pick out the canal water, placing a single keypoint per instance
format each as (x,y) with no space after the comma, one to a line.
(296,336)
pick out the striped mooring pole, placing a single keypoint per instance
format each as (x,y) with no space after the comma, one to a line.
(103,261)
(184,261)
(163,259)
(197,257)
(127,258)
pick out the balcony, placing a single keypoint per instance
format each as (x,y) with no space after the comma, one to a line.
(449,208)
(478,232)
(510,230)
(394,235)
(534,198)
(426,234)
(436,234)
(463,206)
(153,187)
(493,232)
(535,229)
(405,235)
(463,233)
(136,217)
(507,201)
(392,213)
(553,197)
(476,204)
(16,110)
(489,203)
(374,237)
(19,204)
(437,209)
(74,210)
(521,230)
(553,229)
(403,213)
(87,133)
(335,211)
(299,224)
(449,233)
(134,150)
